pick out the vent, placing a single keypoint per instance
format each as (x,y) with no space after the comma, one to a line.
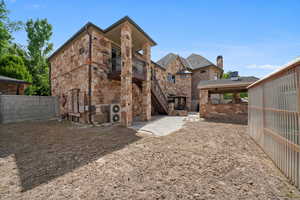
(115,113)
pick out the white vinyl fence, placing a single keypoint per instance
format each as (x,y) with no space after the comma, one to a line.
(274,119)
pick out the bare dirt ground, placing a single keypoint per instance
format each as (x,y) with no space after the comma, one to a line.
(204,160)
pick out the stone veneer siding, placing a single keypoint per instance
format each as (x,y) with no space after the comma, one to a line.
(206,73)
(69,70)
(182,85)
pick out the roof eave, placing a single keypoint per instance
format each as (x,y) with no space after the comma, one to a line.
(213,86)
(126,18)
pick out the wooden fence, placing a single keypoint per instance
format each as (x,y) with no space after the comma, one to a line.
(273,119)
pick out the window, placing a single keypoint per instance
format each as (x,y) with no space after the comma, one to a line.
(202,71)
(171,78)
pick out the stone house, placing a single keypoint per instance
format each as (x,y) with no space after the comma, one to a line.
(179,77)
(97,68)
(12,86)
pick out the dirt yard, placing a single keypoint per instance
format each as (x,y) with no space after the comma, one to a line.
(204,160)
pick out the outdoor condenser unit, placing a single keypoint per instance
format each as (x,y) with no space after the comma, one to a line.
(115,113)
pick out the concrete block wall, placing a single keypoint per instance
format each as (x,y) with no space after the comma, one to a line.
(16,108)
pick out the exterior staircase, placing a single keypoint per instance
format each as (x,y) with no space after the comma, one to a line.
(158,98)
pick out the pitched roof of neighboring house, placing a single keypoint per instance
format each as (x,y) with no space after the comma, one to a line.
(164,61)
(89,24)
(196,61)
(221,83)
(12,80)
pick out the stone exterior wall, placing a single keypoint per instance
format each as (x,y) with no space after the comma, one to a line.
(69,70)
(161,76)
(12,89)
(237,113)
(207,73)
(182,85)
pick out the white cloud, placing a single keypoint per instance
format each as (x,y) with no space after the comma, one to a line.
(267,66)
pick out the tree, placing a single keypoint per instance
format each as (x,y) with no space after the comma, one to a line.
(13,66)
(226,75)
(6,28)
(39,33)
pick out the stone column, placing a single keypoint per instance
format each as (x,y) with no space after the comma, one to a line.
(236,98)
(126,75)
(203,101)
(146,86)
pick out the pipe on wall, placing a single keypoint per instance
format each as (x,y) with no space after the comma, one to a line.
(89,75)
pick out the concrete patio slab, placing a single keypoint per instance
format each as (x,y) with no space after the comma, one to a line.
(160,125)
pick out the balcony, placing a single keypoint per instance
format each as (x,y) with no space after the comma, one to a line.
(138,69)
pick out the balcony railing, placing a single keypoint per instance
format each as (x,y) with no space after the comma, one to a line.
(138,69)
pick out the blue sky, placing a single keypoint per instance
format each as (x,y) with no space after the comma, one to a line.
(254,37)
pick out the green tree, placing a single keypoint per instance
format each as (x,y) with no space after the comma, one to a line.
(226,75)
(13,66)
(6,28)
(39,33)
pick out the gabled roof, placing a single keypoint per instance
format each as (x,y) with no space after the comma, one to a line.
(220,83)
(196,61)
(164,61)
(89,24)
(12,80)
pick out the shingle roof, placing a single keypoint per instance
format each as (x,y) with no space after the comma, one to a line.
(247,80)
(164,61)
(12,80)
(196,61)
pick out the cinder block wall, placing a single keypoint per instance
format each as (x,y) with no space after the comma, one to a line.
(16,108)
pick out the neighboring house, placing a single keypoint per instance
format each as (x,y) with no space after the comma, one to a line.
(179,77)
(12,86)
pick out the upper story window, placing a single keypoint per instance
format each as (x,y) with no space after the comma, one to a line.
(202,71)
(171,78)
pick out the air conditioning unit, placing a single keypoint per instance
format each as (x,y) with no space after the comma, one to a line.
(115,113)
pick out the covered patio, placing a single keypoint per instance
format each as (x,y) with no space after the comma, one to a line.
(221,99)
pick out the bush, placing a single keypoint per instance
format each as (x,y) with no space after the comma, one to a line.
(13,66)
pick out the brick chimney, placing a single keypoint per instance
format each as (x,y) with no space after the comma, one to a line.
(220,61)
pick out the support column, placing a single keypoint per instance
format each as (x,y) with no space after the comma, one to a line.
(236,98)
(203,101)
(126,75)
(146,86)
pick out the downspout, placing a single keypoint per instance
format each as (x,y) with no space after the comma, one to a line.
(89,75)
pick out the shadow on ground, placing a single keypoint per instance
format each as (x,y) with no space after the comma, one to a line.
(46,150)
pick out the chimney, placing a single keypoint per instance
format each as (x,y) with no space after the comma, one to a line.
(220,61)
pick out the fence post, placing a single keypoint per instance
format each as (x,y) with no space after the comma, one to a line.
(298,117)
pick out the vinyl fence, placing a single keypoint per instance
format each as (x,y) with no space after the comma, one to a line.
(273,119)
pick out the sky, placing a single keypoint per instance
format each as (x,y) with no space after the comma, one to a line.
(254,37)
